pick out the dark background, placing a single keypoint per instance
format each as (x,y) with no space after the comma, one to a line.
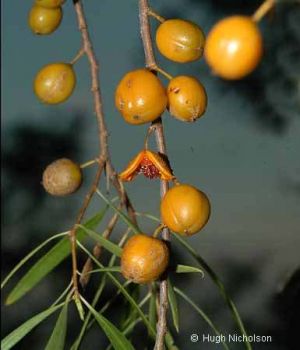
(244,153)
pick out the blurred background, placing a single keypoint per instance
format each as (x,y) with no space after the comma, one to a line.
(244,153)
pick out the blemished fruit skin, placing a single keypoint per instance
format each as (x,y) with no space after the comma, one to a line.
(185,209)
(180,41)
(234,47)
(144,259)
(140,97)
(44,20)
(62,177)
(187,98)
(55,83)
(49,3)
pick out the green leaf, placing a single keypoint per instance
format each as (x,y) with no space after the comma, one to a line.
(15,336)
(107,244)
(49,261)
(173,305)
(188,269)
(152,309)
(201,313)
(117,339)
(28,256)
(107,269)
(220,286)
(58,336)
(124,217)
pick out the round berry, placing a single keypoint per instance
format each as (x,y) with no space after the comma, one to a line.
(144,258)
(62,177)
(234,47)
(180,41)
(44,20)
(187,98)
(49,3)
(185,209)
(55,83)
(140,97)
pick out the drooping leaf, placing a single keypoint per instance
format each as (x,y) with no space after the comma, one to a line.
(15,336)
(152,308)
(28,256)
(49,261)
(188,269)
(117,339)
(107,244)
(220,286)
(201,313)
(174,305)
(58,336)
(124,217)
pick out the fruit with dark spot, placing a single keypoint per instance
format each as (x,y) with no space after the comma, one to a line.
(187,98)
(144,259)
(140,97)
(62,177)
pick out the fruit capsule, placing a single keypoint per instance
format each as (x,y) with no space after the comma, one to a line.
(234,47)
(187,98)
(144,259)
(180,41)
(44,20)
(185,209)
(55,83)
(49,3)
(62,177)
(140,97)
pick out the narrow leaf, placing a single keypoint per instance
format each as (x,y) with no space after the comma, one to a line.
(117,339)
(124,217)
(152,309)
(58,336)
(173,305)
(107,244)
(220,286)
(188,269)
(49,261)
(201,313)
(15,336)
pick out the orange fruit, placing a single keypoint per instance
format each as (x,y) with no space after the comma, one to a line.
(187,98)
(44,20)
(140,97)
(144,258)
(234,47)
(49,3)
(185,209)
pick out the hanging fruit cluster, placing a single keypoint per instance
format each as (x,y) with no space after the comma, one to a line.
(233,49)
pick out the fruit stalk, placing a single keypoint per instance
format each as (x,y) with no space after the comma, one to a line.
(161,145)
(263,9)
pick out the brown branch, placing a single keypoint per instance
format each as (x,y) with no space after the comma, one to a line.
(161,145)
(104,157)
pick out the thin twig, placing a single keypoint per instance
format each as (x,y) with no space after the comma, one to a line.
(161,145)
(104,157)
(263,9)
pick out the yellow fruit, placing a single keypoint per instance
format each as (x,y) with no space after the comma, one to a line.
(49,3)
(187,98)
(144,258)
(185,209)
(62,177)
(234,47)
(180,41)
(55,83)
(140,97)
(44,20)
